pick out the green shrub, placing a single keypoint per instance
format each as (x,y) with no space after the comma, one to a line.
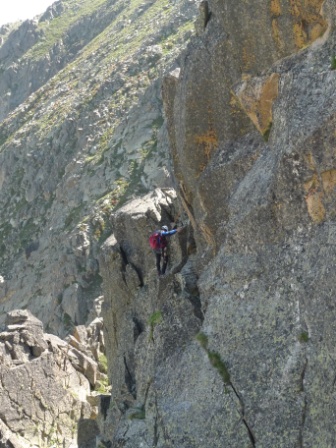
(303,337)
(67,322)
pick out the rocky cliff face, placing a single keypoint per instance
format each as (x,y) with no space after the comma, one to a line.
(46,383)
(87,134)
(81,132)
(235,346)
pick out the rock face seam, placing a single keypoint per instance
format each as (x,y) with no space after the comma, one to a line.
(243,416)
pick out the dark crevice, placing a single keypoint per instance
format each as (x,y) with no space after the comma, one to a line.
(104,404)
(125,263)
(159,421)
(124,257)
(242,412)
(141,284)
(138,328)
(304,408)
(155,431)
(129,380)
(188,247)
(197,307)
(147,392)
(190,275)
(204,6)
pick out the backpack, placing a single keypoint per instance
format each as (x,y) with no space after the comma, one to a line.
(157,241)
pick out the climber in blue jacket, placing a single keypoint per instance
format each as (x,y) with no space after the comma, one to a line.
(159,244)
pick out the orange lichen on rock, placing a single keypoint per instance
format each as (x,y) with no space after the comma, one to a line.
(315,206)
(316,31)
(209,142)
(269,93)
(314,195)
(300,37)
(256,97)
(320,190)
(276,34)
(275,8)
(309,24)
(296,7)
(329,180)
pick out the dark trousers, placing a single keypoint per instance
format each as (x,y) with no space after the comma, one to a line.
(162,253)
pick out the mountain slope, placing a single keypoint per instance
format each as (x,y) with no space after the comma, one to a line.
(89,137)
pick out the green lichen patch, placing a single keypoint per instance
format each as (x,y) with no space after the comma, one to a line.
(214,358)
(333,63)
(154,320)
(218,364)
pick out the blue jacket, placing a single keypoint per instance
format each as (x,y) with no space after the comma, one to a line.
(170,232)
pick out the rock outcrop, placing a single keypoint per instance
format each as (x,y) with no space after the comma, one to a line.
(46,384)
(148,320)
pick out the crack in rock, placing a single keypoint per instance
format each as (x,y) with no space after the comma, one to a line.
(242,413)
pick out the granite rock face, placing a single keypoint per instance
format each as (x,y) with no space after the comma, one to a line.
(45,391)
(236,347)
(147,319)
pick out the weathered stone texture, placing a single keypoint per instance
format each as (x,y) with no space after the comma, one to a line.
(234,347)
(251,118)
(45,385)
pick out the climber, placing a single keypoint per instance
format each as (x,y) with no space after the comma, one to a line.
(159,244)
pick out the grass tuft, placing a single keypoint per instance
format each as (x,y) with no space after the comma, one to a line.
(154,320)
(333,63)
(214,358)
(203,340)
(218,364)
(102,362)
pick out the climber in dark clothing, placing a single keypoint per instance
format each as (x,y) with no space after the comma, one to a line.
(159,244)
